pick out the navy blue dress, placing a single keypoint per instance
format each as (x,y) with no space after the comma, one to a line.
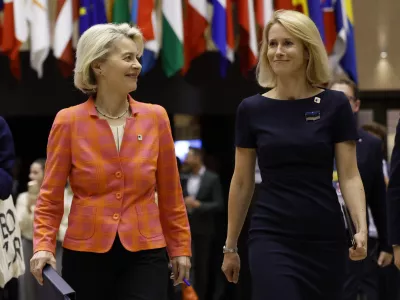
(297,238)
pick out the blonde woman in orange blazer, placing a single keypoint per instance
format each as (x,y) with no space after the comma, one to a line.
(116,152)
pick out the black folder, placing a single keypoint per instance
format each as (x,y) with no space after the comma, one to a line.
(54,286)
(350,226)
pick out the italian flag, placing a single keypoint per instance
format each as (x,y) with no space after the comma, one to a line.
(172,38)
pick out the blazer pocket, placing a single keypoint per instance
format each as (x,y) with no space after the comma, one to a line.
(148,217)
(81,222)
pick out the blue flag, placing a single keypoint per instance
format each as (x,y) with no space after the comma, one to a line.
(91,12)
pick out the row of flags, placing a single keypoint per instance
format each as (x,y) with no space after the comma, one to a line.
(177,31)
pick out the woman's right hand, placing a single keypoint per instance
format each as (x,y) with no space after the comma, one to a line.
(231,267)
(38,261)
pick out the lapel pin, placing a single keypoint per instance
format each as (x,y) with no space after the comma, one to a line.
(312,116)
(317,100)
(139,137)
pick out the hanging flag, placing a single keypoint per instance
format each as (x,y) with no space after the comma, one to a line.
(329,25)
(219,31)
(144,16)
(62,39)
(222,31)
(316,14)
(248,36)
(15,32)
(91,12)
(264,10)
(40,34)
(343,55)
(109,10)
(121,11)
(284,4)
(1,23)
(230,33)
(348,61)
(312,9)
(195,25)
(172,39)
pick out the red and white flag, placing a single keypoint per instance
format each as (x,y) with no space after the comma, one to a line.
(63,33)
(248,47)
(15,32)
(39,34)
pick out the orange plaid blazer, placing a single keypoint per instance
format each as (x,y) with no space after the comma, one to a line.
(113,192)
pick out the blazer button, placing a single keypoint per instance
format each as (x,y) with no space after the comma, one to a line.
(118,195)
(118,174)
(115,216)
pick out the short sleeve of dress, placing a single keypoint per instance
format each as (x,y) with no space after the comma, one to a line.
(344,127)
(244,136)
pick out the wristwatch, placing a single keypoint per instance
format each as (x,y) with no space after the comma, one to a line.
(229,250)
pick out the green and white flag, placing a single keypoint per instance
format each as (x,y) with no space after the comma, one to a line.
(172,37)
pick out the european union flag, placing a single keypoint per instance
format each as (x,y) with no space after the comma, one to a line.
(91,12)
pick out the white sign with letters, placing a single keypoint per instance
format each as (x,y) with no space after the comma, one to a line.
(11,256)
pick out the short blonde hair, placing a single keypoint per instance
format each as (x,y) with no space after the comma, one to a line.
(95,44)
(303,28)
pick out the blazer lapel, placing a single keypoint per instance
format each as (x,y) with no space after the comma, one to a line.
(203,184)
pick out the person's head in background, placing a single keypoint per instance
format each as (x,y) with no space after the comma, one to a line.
(350,89)
(379,131)
(194,159)
(37,170)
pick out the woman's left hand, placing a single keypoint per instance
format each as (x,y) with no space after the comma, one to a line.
(180,268)
(360,252)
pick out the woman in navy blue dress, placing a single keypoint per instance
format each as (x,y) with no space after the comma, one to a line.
(297,238)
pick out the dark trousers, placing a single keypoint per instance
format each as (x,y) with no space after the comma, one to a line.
(10,291)
(362,277)
(117,274)
(201,247)
(389,283)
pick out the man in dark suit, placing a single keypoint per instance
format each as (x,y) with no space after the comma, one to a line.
(203,197)
(7,157)
(363,276)
(393,199)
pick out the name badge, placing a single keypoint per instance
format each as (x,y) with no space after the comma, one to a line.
(312,116)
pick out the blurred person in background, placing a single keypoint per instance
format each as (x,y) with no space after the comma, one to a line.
(116,153)
(393,199)
(26,202)
(7,160)
(297,239)
(203,199)
(362,277)
(380,132)
(389,277)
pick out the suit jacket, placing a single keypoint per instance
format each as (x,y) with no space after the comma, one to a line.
(393,193)
(113,192)
(7,157)
(202,219)
(369,161)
